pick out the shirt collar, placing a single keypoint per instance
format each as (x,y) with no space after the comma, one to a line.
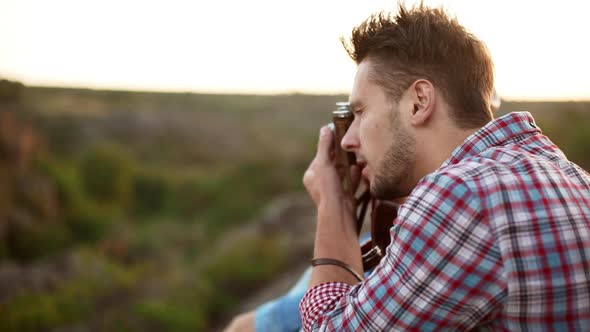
(494,133)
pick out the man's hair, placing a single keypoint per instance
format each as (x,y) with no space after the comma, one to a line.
(427,43)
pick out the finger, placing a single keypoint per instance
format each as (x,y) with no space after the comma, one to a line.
(325,144)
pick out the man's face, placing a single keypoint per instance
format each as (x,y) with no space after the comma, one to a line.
(379,137)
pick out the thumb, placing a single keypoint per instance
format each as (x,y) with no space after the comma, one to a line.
(325,144)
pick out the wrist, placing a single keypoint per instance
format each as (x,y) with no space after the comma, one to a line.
(336,236)
(337,217)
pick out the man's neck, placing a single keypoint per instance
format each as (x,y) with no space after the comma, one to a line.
(437,147)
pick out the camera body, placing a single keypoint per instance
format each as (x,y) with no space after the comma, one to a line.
(342,117)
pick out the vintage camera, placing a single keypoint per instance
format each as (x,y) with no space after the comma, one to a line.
(342,117)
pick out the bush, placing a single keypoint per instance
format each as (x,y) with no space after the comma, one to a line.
(171,316)
(235,272)
(190,197)
(71,302)
(27,240)
(64,133)
(241,193)
(84,219)
(88,222)
(150,192)
(579,146)
(571,135)
(106,175)
(65,179)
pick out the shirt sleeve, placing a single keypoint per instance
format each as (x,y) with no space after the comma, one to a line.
(443,270)
(281,314)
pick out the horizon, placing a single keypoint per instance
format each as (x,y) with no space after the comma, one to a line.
(267,94)
(268,47)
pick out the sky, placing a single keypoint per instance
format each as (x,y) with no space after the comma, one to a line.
(540,48)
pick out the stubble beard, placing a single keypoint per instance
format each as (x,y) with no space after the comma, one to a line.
(391,177)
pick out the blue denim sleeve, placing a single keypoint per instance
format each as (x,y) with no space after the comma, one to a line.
(282,314)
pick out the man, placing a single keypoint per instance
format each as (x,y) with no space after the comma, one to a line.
(495,232)
(281,314)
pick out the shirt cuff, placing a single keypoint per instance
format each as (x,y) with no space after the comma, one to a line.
(319,300)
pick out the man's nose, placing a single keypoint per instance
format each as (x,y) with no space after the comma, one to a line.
(350,139)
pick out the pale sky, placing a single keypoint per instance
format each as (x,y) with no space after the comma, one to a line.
(540,48)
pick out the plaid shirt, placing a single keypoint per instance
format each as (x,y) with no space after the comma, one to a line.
(498,238)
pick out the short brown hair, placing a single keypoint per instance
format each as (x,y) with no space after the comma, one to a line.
(427,43)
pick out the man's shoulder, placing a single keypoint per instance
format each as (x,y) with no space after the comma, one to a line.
(476,176)
(496,164)
(464,172)
(450,184)
(504,174)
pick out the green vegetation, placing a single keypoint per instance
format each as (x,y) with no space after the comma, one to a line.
(35,311)
(105,175)
(10,90)
(152,195)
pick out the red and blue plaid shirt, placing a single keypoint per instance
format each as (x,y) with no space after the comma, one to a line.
(498,238)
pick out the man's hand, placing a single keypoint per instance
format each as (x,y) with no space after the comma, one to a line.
(321,177)
(336,227)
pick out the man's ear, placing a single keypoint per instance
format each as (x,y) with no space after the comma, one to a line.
(423,99)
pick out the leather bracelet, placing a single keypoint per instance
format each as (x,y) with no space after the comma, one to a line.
(332,261)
